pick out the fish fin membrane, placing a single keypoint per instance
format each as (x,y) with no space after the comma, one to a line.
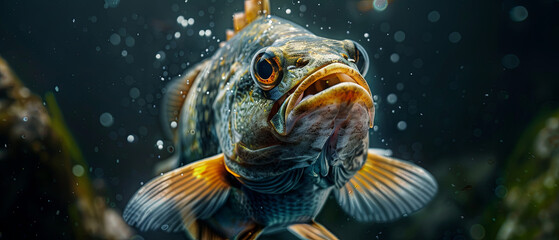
(311,231)
(167,164)
(200,230)
(180,197)
(174,99)
(253,9)
(250,233)
(385,189)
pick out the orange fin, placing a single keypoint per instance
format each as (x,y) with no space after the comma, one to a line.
(174,98)
(200,230)
(251,233)
(386,189)
(180,197)
(253,9)
(311,231)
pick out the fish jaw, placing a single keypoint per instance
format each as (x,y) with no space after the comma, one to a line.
(333,84)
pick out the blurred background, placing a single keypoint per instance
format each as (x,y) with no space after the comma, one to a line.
(469,90)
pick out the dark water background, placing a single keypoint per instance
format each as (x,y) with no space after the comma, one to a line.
(467,85)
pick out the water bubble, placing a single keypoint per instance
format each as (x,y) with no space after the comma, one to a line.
(392,98)
(114,39)
(518,13)
(399,36)
(402,125)
(510,61)
(130,138)
(454,37)
(106,119)
(25,119)
(173,124)
(160,55)
(380,5)
(130,41)
(78,170)
(477,231)
(500,191)
(394,57)
(56,89)
(366,35)
(177,35)
(433,16)
(134,93)
(303,8)
(288,11)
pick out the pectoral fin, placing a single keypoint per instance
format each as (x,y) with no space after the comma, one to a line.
(251,233)
(180,197)
(200,230)
(311,231)
(385,189)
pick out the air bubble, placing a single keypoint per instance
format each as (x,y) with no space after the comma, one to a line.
(434,16)
(392,98)
(78,170)
(518,13)
(402,125)
(106,119)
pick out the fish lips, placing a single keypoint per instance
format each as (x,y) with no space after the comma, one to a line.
(333,84)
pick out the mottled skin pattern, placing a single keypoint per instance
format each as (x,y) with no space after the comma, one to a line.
(225,111)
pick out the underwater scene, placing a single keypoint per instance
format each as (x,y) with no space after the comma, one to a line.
(299,119)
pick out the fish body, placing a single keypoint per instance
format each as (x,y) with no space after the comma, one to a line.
(266,129)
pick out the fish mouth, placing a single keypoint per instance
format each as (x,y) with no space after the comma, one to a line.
(335,83)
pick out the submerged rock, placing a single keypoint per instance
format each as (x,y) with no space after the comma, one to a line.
(42,195)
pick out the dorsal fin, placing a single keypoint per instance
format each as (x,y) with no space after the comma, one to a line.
(174,98)
(253,9)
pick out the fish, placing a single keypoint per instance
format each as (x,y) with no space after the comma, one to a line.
(265,130)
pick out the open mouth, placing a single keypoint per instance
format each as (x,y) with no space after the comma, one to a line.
(331,84)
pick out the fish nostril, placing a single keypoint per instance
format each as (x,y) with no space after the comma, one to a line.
(345,56)
(301,62)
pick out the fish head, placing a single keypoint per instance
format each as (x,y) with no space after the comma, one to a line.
(301,97)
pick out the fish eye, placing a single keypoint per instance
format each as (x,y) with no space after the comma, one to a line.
(360,58)
(265,70)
